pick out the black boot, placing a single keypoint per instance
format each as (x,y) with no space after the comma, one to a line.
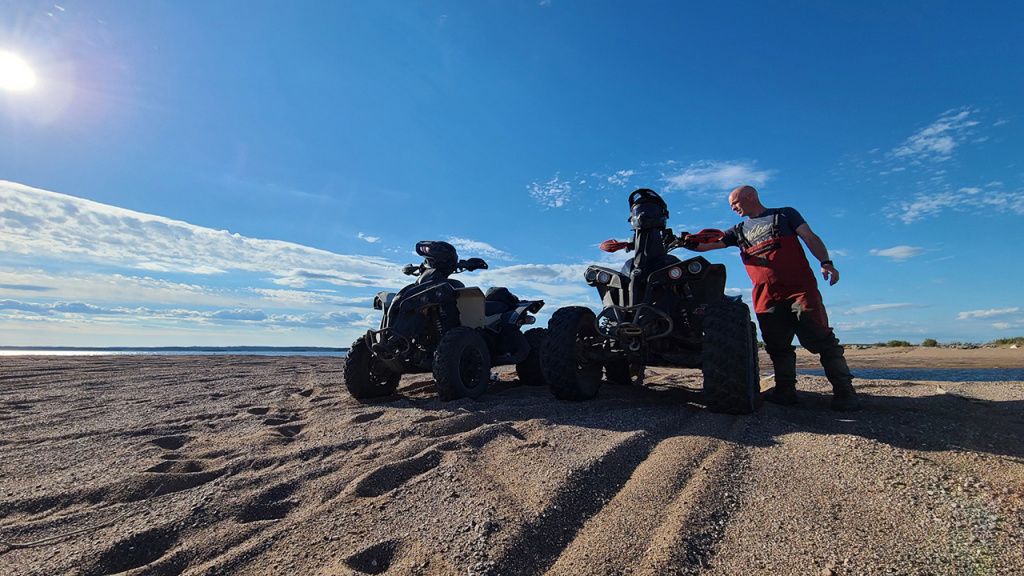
(844,398)
(783,394)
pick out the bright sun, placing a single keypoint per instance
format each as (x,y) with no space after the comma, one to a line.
(15,73)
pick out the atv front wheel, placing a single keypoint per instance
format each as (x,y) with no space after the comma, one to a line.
(570,373)
(529,370)
(462,364)
(361,379)
(729,359)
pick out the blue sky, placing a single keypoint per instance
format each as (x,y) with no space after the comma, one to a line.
(228,173)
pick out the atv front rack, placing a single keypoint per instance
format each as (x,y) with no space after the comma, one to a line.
(387,344)
(617,323)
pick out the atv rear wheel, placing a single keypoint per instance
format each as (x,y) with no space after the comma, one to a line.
(462,364)
(729,359)
(570,373)
(529,370)
(361,379)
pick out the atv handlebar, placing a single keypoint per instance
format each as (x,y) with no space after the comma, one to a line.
(613,245)
(691,241)
(470,265)
(462,266)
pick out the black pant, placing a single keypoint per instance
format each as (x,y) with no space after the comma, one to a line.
(791,317)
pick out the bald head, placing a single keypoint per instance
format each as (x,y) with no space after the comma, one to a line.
(744,201)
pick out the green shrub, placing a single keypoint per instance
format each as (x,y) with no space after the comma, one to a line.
(897,343)
(1018,340)
(930,343)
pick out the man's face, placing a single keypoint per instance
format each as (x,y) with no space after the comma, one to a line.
(741,204)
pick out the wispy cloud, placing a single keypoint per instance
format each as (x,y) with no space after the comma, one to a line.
(621,178)
(370,239)
(990,313)
(968,199)
(44,224)
(879,307)
(474,248)
(25,287)
(717,175)
(937,141)
(61,307)
(555,193)
(1008,325)
(898,253)
(230,316)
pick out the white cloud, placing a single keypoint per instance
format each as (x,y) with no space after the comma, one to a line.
(1016,325)
(937,141)
(621,178)
(47,225)
(370,239)
(990,313)
(719,176)
(879,307)
(306,298)
(555,193)
(967,199)
(898,253)
(474,248)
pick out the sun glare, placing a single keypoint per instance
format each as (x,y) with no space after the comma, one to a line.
(15,74)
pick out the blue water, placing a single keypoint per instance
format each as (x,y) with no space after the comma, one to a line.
(940,374)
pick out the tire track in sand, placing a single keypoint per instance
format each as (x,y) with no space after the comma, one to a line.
(650,505)
(659,506)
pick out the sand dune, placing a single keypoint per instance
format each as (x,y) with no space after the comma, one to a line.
(260,465)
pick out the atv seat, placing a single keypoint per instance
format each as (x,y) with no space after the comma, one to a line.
(498,301)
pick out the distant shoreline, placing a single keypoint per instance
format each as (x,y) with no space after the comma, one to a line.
(172,349)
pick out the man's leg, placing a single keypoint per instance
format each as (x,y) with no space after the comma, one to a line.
(817,337)
(777,329)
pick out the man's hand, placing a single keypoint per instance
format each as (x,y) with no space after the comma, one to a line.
(829,272)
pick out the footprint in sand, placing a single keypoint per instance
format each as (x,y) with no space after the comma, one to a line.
(132,552)
(179,467)
(375,559)
(172,442)
(359,419)
(278,420)
(386,478)
(258,410)
(289,432)
(272,504)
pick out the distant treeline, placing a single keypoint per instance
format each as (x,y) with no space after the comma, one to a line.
(932,343)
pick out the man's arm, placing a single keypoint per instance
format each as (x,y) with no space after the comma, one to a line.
(818,249)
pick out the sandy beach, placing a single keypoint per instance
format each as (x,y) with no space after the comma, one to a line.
(249,465)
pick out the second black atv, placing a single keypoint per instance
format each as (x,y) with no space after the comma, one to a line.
(438,325)
(658,311)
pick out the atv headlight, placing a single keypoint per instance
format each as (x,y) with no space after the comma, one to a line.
(590,275)
(603,277)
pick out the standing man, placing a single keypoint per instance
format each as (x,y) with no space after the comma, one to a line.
(786,297)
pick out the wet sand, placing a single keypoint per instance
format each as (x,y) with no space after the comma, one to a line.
(264,465)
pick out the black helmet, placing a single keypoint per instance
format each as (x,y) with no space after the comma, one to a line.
(439,255)
(647,210)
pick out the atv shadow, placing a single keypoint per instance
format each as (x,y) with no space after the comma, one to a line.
(941,421)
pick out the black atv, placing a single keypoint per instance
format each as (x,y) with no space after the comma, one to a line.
(438,325)
(659,311)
